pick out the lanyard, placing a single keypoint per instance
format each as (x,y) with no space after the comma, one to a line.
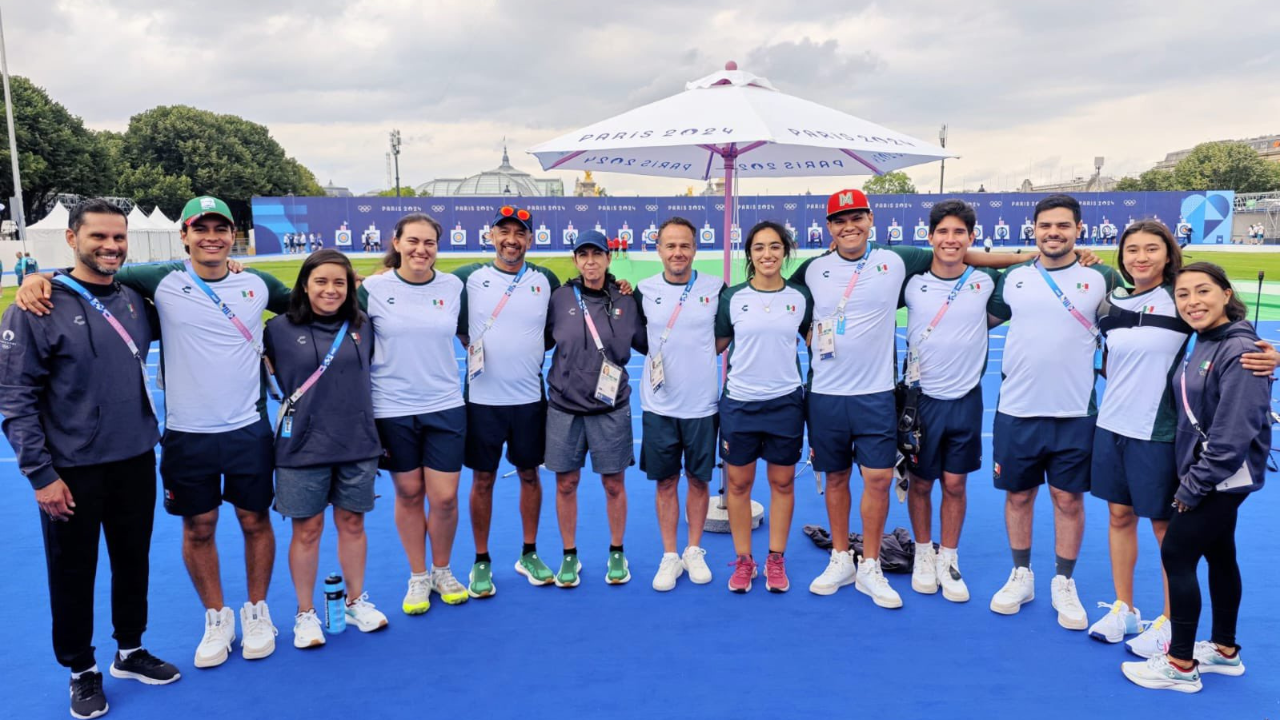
(244,331)
(671,322)
(505,297)
(1182,380)
(591,325)
(955,291)
(1066,303)
(70,282)
(324,365)
(853,282)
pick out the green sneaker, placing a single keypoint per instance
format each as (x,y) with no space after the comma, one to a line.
(619,571)
(568,575)
(481,581)
(532,567)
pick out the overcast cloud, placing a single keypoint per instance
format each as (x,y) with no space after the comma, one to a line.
(1028,89)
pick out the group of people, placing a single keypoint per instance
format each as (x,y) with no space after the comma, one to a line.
(300,242)
(1257,234)
(24,265)
(371,241)
(367,378)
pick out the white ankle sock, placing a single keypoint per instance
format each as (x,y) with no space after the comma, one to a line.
(124,654)
(76,675)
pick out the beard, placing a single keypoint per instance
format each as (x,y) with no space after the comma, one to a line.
(89,260)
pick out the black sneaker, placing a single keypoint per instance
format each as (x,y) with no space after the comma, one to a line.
(144,667)
(87,698)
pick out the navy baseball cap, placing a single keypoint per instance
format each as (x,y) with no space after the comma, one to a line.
(510,212)
(591,238)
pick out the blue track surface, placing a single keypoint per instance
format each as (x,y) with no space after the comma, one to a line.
(628,651)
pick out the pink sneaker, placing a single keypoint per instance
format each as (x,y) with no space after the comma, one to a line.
(775,574)
(744,569)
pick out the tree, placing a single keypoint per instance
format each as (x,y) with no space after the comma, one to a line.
(1226,166)
(405,191)
(893,183)
(56,153)
(1151,180)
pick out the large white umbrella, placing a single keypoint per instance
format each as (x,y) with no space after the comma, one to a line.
(738,124)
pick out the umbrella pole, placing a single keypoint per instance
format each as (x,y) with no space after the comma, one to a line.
(730,155)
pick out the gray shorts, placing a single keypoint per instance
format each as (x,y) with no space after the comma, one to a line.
(306,492)
(608,436)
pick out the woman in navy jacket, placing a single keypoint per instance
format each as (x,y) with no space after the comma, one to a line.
(1222,442)
(327,446)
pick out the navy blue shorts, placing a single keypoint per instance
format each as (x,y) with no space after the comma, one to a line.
(844,428)
(1142,474)
(667,440)
(951,436)
(522,427)
(435,441)
(1029,449)
(200,470)
(769,429)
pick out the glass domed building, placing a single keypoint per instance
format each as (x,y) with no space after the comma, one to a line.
(502,181)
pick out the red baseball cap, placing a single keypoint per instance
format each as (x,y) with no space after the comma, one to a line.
(846,200)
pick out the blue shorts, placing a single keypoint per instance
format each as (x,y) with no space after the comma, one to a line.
(522,427)
(844,428)
(200,470)
(436,441)
(667,440)
(1027,450)
(1142,474)
(769,429)
(951,436)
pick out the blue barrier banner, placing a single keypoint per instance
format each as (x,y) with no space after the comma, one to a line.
(353,224)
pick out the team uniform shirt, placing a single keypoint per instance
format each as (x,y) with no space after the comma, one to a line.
(1138,398)
(689,367)
(954,356)
(214,380)
(1048,354)
(763,360)
(866,351)
(515,347)
(414,369)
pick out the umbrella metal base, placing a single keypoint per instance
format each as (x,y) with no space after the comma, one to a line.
(718,516)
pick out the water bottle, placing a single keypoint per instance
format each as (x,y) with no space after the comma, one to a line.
(335,604)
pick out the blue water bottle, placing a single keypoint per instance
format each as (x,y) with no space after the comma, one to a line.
(335,604)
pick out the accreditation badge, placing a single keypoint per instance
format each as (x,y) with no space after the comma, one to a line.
(826,332)
(475,359)
(656,374)
(607,384)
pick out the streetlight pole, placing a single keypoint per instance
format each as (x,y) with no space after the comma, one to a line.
(18,219)
(395,152)
(942,173)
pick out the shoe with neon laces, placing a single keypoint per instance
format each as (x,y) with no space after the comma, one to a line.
(144,667)
(447,586)
(840,572)
(619,570)
(924,570)
(307,632)
(775,573)
(946,569)
(694,560)
(1154,639)
(536,571)
(669,570)
(418,599)
(569,577)
(1117,623)
(364,615)
(744,571)
(259,639)
(87,698)
(1213,661)
(480,581)
(1159,674)
(870,581)
(1071,614)
(219,636)
(1018,590)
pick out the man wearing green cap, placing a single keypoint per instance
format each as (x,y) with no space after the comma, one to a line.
(217,442)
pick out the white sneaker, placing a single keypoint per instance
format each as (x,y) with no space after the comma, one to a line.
(1018,590)
(447,586)
(364,615)
(1211,661)
(307,632)
(418,599)
(694,560)
(947,571)
(1154,639)
(870,581)
(840,571)
(219,636)
(924,573)
(1113,626)
(1158,674)
(1071,614)
(669,570)
(259,638)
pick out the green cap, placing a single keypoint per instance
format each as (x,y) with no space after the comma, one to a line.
(197,208)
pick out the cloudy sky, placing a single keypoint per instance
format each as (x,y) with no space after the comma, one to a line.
(1028,89)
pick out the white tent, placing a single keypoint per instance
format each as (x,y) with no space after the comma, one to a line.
(159,220)
(46,241)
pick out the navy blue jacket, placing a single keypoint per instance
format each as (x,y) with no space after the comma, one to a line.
(70,391)
(575,366)
(1232,405)
(333,422)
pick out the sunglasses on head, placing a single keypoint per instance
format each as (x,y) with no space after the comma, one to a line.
(520,214)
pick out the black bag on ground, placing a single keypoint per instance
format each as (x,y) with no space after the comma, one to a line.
(897,549)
